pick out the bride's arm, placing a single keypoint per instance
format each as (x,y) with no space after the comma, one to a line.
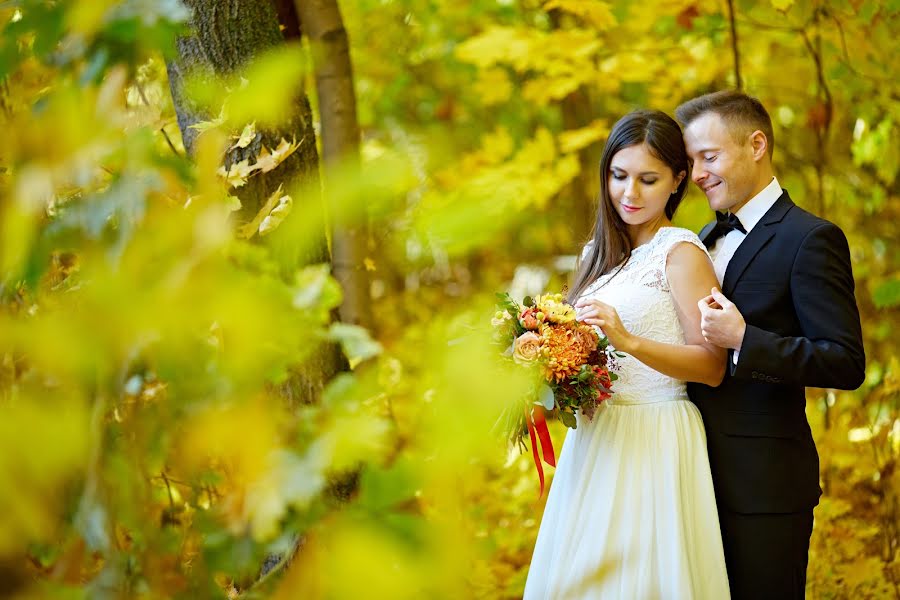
(691,276)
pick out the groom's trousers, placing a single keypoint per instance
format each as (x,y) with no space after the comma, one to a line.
(766,554)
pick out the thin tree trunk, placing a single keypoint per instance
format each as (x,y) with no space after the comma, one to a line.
(577,112)
(226,35)
(321,22)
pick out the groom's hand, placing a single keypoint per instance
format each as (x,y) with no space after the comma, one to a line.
(721,323)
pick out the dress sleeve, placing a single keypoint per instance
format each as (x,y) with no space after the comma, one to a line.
(676,237)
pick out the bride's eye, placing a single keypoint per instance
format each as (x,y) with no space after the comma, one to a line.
(618,176)
(649,181)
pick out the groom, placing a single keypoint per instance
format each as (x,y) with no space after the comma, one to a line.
(787,314)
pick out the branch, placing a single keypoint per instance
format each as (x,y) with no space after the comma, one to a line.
(162,129)
(734,45)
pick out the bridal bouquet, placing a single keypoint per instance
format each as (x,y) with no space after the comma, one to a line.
(568,360)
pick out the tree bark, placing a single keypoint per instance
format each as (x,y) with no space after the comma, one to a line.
(577,112)
(225,36)
(322,23)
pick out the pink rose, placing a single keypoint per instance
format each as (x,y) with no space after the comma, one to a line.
(528,319)
(527,348)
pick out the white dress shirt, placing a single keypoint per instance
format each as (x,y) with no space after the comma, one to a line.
(749,215)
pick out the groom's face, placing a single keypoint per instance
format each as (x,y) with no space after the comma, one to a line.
(723,167)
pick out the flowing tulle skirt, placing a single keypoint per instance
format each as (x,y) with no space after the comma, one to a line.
(631,512)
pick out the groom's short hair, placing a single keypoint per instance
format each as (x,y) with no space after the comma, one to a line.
(742,114)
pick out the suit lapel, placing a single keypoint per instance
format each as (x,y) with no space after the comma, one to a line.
(706,232)
(758,237)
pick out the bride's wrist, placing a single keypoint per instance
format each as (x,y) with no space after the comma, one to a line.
(631,344)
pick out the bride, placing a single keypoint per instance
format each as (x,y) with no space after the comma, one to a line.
(631,513)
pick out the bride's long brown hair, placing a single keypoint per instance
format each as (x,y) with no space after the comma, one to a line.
(610,245)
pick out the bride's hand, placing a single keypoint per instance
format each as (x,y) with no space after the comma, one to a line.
(604,316)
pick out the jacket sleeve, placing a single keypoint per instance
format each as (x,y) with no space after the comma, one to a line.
(830,352)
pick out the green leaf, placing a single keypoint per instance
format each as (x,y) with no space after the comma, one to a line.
(887,295)
(316,289)
(545,397)
(568,419)
(380,489)
(356,342)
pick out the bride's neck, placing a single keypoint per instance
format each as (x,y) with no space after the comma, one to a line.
(643,233)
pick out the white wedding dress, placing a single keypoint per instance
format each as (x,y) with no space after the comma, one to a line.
(631,512)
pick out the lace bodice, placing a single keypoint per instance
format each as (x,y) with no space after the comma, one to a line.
(640,293)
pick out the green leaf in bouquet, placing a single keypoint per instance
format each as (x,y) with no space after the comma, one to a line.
(528,301)
(545,397)
(568,419)
(613,376)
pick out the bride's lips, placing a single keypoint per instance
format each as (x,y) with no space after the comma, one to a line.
(631,209)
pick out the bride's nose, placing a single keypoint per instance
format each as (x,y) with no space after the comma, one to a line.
(632,191)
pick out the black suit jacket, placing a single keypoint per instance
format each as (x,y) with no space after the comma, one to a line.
(792,280)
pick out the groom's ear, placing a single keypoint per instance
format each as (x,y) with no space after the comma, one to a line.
(759,144)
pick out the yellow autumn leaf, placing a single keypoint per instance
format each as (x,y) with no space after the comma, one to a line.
(493,86)
(237,173)
(498,144)
(202,126)
(247,136)
(576,139)
(782,5)
(268,160)
(543,90)
(285,149)
(497,45)
(596,13)
(278,214)
(249,229)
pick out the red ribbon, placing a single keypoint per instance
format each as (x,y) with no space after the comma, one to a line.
(537,429)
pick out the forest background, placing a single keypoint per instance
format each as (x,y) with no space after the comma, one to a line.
(248,256)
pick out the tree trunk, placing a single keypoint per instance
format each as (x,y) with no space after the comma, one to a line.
(321,21)
(577,112)
(226,35)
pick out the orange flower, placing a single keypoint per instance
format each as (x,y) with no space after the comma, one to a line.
(588,337)
(564,350)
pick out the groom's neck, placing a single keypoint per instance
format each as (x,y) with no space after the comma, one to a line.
(763,179)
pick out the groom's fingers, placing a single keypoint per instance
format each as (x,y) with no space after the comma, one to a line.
(711,301)
(721,299)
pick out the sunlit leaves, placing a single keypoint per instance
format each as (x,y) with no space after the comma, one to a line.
(887,295)
(237,174)
(596,13)
(574,140)
(877,147)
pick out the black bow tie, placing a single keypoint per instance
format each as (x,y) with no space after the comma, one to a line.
(724,224)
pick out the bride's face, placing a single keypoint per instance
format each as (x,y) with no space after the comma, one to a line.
(640,184)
